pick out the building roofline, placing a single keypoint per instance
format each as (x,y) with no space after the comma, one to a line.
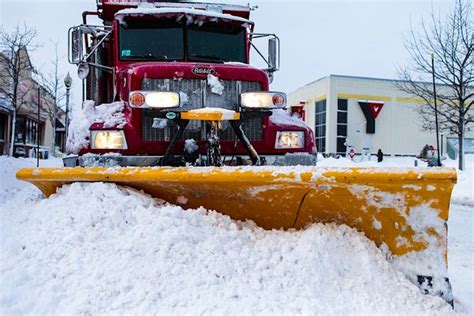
(361,78)
(317,80)
(382,79)
(367,78)
(309,83)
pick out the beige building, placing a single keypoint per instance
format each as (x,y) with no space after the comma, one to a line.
(27,121)
(355,112)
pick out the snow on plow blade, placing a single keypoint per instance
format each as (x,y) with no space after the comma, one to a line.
(402,210)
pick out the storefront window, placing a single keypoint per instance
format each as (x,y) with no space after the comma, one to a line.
(26,131)
(20,129)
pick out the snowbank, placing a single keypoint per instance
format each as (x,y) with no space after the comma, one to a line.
(97,248)
(110,114)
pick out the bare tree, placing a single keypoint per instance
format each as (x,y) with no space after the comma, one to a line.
(15,65)
(52,83)
(449,41)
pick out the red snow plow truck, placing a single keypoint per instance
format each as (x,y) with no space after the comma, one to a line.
(191,98)
(184,117)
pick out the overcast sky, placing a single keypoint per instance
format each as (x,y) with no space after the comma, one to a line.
(360,38)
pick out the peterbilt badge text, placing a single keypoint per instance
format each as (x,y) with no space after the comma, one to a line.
(203,71)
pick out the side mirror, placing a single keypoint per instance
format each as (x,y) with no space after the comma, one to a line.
(76,45)
(272,54)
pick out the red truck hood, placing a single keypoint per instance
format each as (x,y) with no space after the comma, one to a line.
(135,73)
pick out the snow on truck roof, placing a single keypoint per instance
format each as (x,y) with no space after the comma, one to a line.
(158,3)
(171,10)
(108,8)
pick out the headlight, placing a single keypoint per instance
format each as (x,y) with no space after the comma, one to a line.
(289,139)
(153,99)
(108,140)
(263,100)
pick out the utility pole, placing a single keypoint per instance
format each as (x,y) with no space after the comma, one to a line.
(68,84)
(436,110)
(38,128)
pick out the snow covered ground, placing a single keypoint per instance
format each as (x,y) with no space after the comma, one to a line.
(98,248)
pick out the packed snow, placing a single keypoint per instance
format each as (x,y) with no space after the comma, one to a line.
(109,114)
(99,248)
(282,117)
(190,145)
(159,123)
(215,84)
(183,98)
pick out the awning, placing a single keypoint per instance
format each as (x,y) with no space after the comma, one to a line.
(5,105)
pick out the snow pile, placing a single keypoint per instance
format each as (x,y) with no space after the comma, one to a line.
(97,248)
(110,114)
(282,117)
(216,86)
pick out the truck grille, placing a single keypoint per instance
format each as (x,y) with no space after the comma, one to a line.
(199,95)
(253,129)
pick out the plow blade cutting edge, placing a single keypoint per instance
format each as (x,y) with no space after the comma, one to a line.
(404,211)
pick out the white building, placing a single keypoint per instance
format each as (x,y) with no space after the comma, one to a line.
(373,113)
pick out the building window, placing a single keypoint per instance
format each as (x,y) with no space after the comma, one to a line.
(341,126)
(20,129)
(26,131)
(320,125)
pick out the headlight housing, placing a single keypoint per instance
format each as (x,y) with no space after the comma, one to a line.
(263,100)
(108,140)
(154,99)
(289,139)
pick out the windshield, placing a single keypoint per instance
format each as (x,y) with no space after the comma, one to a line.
(138,43)
(214,44)
(218,46)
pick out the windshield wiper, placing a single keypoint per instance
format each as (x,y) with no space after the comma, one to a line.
(210,57)
(150,56)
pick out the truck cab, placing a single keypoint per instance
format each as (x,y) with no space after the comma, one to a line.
(182,72)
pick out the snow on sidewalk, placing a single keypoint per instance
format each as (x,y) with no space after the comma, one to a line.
(14,192)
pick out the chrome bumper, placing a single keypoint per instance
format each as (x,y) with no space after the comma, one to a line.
(113,160)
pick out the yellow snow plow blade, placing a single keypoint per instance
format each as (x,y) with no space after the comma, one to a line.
(405,209)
